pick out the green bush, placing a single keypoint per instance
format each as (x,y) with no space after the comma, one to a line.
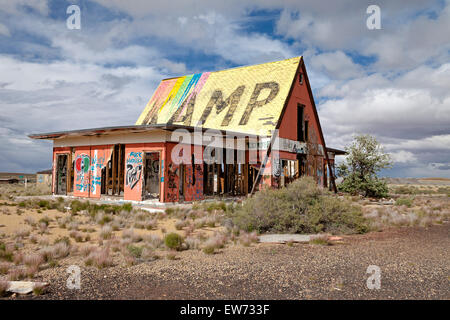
(404,202)
(210,207)
(404,190)
(135,251)
(302,207)
(44,204)
(127,207)
(173,241)
(372,187)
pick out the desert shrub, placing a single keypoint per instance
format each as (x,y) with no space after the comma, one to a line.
(135,251)
(173,241)
(192,243)
(302,207)
(404,202)
(44,204)
(6,252)
(106,232)
(215,242)
(45,220)
(99,258)
(321,239)
(4,267)
(154,240)
(180,224)
(76,235)
(247,238)
(38,289)
(210,207)
(127,207)
(64,239)
(130,234)
(404,190)
(4,285)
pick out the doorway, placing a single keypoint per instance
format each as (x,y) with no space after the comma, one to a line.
(61,174)
(152,176)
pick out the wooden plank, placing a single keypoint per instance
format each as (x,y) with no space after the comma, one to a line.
(114,159)
(245,178)
(119,171)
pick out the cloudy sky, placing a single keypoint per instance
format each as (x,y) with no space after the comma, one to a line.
(393,83)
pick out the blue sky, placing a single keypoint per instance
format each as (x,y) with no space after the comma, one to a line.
(392,83)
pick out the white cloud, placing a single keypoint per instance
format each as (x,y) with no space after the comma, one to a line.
(402,97)
(4,30)
(336,65)
(403,156)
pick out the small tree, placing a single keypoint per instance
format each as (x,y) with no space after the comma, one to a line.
(365,158)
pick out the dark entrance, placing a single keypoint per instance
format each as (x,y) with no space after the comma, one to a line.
(61,174)
(152,176)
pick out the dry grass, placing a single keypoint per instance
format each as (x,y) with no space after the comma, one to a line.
(106,232)
(320,239)
(38,289)
(4,285)
(99,258)
(419,212)
(4,267)
(247,238)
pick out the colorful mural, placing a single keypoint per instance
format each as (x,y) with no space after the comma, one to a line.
(134,169)
(253,97)
(99,158)
(172,183)
(81,174)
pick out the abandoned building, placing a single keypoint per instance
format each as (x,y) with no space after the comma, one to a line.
(250,106)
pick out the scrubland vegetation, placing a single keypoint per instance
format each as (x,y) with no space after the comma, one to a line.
(38,234)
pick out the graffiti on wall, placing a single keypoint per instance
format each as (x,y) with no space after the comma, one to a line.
(134,169)
(97,163)
(82,163)
(194,182)
(172,182)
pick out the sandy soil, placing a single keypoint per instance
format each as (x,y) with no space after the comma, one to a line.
(414,262)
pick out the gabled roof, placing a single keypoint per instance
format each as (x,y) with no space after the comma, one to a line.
(245,99)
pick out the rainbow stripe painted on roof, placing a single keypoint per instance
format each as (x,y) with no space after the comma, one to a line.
(245,99)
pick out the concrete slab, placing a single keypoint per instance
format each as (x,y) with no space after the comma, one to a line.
(283,238)
(23,287)
(152,210)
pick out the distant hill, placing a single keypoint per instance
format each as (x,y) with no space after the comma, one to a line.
(17,175)
(435,181)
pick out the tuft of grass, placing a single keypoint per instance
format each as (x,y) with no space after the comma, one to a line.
(135,251)
(76,235)
(173,241)
(4,285)
(320,240)
(4,267)
(38,289)
(106,232)
(171,256)
(247,238)
(99,258)
(33,260)
(404,202)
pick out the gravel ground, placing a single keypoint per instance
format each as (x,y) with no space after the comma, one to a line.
(414,264)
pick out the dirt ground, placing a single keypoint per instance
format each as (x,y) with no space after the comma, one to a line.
(410,244)
(414,263)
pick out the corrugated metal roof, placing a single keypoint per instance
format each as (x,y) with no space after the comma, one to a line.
(245,99)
